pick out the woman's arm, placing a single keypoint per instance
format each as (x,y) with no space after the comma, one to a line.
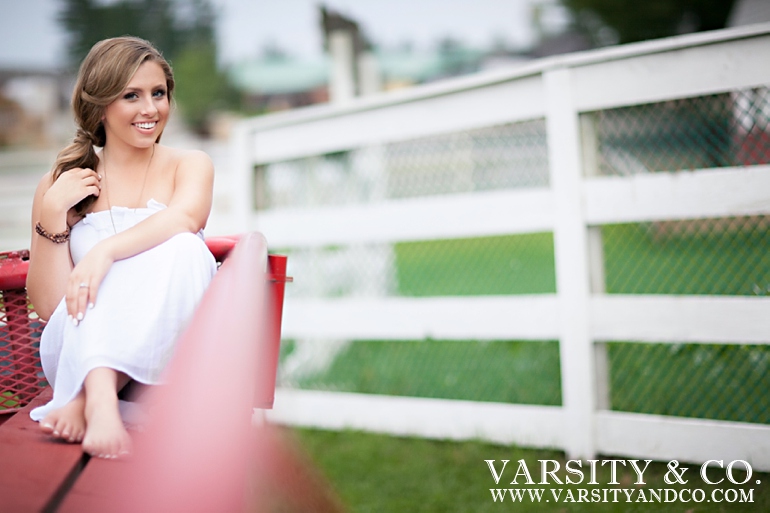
(50,264)
(188,210)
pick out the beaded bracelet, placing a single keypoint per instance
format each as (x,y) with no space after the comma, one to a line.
(57,238)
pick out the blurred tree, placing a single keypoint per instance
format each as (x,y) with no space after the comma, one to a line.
(184,30)
(200,87)
(89,21)
(626,21)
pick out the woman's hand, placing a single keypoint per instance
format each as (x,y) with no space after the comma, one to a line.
(84,280)
(71,187)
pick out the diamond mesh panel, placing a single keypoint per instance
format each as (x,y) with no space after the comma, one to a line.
(701,256)
(512,264)
(497,371)
(500,157)
(724,382)
(21,376)
(720,130)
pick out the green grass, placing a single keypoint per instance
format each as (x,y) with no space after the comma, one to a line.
(477,371)
(512,264)
(382,474)
(724,256)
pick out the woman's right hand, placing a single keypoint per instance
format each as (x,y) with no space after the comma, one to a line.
(71,187)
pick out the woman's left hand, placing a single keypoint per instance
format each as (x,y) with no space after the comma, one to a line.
(84,280)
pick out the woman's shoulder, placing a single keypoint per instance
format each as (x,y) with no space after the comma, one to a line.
(195,165)
(186,160)
(183,155)
(45,183)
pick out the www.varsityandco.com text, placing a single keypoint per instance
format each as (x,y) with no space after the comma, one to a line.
(715,481)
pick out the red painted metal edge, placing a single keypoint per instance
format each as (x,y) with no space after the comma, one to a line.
(220,247)
(13,269)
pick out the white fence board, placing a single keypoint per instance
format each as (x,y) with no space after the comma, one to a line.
(441,217)
(681,195)
(532,426)
(666,438)
(450,318)
(670,319)
(481,107)
(675,74)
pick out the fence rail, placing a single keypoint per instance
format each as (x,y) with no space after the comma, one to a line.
(663,144)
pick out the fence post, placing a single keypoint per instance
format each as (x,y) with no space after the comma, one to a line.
(242,188)
(572,269)
(590,160)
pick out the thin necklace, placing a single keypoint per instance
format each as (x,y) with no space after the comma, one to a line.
(141,192)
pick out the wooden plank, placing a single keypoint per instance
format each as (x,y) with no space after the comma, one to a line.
(690,319)
(93,492)
(450,419)
(666,438)
(736,191)
(479,214)
(673,73)
(525,317)
(35,469)
(493,104)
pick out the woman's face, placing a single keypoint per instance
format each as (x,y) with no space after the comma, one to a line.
(139,115)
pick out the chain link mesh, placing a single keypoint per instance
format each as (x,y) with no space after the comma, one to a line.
(493,158)
(525,372)
(721,256)
(500,157)
(699,256)
(722,382)
(720,130)
(724,256)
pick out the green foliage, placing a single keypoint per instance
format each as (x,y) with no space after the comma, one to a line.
(201,87)
(632,20)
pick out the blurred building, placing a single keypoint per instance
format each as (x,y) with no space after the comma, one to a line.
(351,64)
(31,105)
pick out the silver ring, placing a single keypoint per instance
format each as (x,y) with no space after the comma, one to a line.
(83,285)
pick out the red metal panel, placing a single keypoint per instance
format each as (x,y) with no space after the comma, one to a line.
(21,376)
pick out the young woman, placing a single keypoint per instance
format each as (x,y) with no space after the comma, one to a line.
(117,260)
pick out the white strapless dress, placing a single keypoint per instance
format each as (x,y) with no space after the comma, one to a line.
(143,304)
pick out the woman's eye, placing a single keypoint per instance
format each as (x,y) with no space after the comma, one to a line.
(130,96)
(160,93)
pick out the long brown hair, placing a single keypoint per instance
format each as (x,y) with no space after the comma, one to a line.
(103,76)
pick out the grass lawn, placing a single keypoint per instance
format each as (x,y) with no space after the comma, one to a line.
(376,473)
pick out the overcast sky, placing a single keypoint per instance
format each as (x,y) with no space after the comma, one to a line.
(31,36)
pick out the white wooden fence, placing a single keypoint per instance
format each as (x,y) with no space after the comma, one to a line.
(573,206)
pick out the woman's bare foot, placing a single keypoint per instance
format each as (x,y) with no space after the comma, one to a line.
(67,423)
(105,436)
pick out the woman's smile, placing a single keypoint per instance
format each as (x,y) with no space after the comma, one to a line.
(138,116)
